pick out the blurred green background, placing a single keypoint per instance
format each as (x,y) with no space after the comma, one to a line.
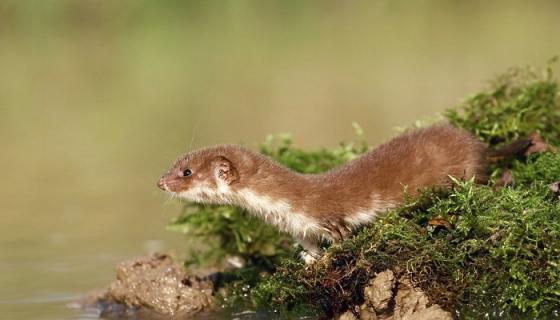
(97,98)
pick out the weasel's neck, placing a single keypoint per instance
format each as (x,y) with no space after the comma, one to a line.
(276,190)
(280,212)
(277,195)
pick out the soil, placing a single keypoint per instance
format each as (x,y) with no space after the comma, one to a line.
(156,287)
(153,287)
(389,299)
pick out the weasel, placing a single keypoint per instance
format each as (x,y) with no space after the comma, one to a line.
(328,206)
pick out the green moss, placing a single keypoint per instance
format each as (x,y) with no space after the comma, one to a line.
(503,248)
(518,103)
(497,253)
(540,168)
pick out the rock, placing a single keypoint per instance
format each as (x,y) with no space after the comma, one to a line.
(411,304)
(408,300)
(367,313)
(379,292)
(434,312)
(348,315)
(408,303)
(156,286)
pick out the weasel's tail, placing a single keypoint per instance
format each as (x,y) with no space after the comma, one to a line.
(518,147)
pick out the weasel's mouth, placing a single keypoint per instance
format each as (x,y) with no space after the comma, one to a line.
(163,186)
(171,192)
(194,195)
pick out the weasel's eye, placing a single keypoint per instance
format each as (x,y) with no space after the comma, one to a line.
(187,172)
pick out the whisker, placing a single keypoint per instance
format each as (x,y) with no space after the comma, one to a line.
(193,135)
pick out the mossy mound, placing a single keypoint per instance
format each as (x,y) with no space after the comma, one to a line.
(518,103)
(475,248)
(480,250)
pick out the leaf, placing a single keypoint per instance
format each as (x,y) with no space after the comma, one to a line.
(538,145)
(441,223)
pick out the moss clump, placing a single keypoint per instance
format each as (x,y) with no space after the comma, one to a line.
(500,246)
(518,103)
(538,168)
(477,249)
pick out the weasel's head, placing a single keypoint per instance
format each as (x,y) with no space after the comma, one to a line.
(203,176)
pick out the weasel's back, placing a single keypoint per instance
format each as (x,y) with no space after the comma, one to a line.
(426,158)
(419,159)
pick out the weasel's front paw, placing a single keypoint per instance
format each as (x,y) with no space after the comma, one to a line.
(337,229)
(307,257)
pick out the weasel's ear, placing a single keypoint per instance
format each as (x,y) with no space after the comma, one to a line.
(225,171)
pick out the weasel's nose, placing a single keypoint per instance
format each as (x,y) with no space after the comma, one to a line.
(161,184)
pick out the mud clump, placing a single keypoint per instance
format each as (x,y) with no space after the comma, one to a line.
(154,287)
(379,291)
(389,299)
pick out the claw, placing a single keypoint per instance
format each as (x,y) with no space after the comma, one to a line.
(307,257)
(337,230)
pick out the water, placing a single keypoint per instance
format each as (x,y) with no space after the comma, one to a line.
(98,98)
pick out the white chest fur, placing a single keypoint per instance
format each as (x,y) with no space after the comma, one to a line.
(278,213)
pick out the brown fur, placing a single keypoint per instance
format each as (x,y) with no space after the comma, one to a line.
(416,160)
